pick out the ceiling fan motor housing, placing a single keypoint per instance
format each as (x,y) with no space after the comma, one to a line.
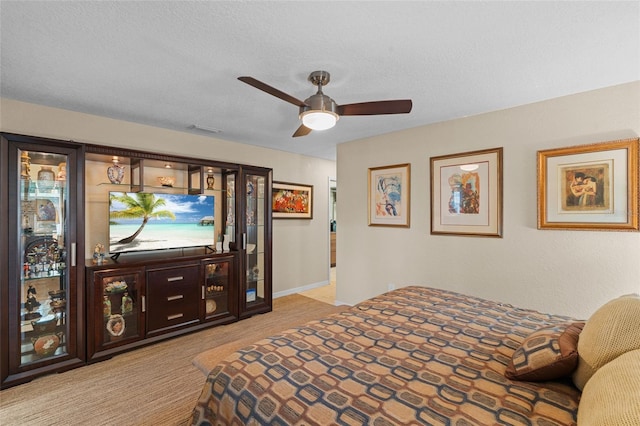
(319,102)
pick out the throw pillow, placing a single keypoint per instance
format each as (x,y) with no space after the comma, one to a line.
(612,394)
(611,331)
(546,354)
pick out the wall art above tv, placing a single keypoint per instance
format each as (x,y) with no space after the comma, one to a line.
(144,221)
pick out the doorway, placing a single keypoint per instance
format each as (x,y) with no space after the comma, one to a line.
(333,200)
(327,293)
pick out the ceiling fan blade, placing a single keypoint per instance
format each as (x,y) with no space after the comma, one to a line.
(272,91)
(302,131)
(401,106)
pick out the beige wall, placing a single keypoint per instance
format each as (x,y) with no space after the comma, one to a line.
(300,247)
(565,272)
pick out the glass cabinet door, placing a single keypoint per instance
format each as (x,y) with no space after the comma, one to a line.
(44,282)
(230,213)
(218,291)
(43,308)
(118,307)
(257,288)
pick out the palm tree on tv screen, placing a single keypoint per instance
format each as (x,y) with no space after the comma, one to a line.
(144,205)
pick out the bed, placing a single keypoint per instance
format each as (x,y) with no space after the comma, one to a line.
(415,355)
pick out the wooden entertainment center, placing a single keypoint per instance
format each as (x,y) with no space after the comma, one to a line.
(67,300)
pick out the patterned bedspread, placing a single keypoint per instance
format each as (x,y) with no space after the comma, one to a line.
(415,355)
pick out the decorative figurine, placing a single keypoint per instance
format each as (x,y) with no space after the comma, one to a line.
(62,171)
(210,179)
(127,303)
(31,304)
(98,254)
(25,166)
(106,307)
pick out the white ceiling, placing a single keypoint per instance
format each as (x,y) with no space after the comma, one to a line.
(173,64)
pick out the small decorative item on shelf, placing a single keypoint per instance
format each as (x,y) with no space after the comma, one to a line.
(211,306)
(46,345)
(127,303)
(46,179)
(25,165)
(116,325)
(31,304)
(116,287)
(106,306)
(230,217)
(58,302)
(210,179)
(225,242)
(46,324)
(167,181)
(115,172)
(98,254)
(26,224)
(62,171)
(251,295)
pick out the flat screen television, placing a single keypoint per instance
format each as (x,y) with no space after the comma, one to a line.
(145,221)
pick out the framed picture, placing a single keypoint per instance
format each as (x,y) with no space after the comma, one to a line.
(389,195)
(466,193)
(292,201)
(589,187)
(46,212)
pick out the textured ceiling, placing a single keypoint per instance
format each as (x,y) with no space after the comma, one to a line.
(173,64)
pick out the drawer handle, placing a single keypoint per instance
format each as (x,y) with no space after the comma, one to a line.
(170,279)
(177,297)
(172,317)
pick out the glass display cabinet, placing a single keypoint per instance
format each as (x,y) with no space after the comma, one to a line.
(219,288)
(42,296)
(117,301)
(256,243)
(248,228)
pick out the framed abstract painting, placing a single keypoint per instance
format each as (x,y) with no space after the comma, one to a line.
(466,193)
(389,195)
(589,187)
(292,201)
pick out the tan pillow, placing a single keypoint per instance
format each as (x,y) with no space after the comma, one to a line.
(610,332)
(546,354)
(612,395)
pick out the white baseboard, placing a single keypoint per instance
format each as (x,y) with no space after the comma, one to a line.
(300,289)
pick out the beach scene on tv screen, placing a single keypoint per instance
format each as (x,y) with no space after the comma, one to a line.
(141,221)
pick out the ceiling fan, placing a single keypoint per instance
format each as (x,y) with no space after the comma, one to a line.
(320,112)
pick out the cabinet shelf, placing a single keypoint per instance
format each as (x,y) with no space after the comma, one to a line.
(125,187)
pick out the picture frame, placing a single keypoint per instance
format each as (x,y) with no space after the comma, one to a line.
(46,215)
(589,187)
(292,200)
(466,193)
(389,202)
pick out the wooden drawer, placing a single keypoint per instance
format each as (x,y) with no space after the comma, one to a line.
(173,297)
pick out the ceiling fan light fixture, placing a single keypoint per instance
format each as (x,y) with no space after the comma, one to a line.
(319,120)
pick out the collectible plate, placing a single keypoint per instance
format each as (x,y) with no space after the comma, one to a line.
(211,306)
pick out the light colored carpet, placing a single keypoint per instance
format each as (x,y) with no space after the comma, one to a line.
(154,385)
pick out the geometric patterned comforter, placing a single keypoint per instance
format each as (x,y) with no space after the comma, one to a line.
(415,355)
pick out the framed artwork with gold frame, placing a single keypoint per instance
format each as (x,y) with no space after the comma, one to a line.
(589,187)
